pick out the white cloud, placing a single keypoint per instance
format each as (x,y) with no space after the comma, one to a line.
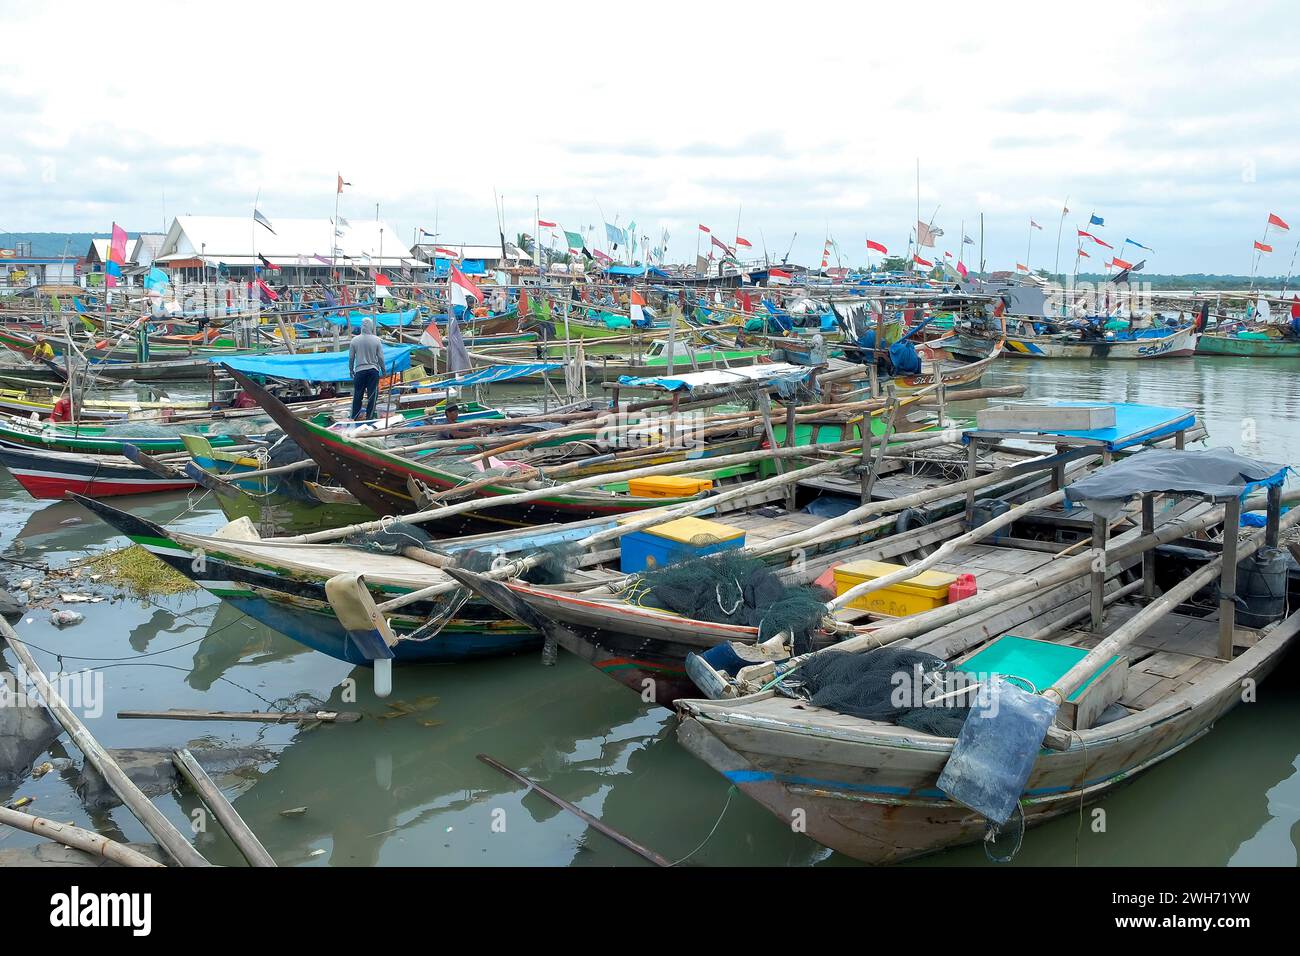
(802,118)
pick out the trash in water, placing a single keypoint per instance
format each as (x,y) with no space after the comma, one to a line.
(66,618)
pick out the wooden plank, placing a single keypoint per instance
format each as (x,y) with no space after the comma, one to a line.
(238,831)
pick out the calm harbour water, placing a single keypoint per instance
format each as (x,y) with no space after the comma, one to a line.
(402,786)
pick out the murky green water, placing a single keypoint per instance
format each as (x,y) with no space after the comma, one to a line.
(404,787)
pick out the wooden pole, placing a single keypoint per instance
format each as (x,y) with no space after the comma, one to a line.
(171,839)
(75,837)
(626,842)
(244,838)
(1148,557)
(1228,578)
(1100,528)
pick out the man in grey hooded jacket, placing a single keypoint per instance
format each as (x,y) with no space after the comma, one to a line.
(365,361)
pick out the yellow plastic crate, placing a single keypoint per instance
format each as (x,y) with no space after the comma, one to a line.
(689,530)
(668,486)
(927,590)
(675,541)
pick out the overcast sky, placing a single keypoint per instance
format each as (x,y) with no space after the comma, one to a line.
(1177,123)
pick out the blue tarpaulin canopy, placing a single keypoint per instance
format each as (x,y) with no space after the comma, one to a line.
(313,366)
(1134,425)
(768,374)
(498,373)
(385,320)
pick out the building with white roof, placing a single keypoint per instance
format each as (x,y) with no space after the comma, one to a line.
(304,249)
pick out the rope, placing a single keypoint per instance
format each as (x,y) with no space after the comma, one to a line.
(731,791)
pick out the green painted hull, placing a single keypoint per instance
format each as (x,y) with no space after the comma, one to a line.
(1247,348)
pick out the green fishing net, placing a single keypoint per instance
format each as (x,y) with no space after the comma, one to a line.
(733,588)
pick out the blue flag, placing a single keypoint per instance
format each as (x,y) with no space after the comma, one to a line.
(1134,242)
(1096,220)
(615,235)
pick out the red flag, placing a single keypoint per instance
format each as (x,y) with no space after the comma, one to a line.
(381,279)
(446,253)
(1276,221)
(1022,268)
(270,293)
(548,225)
(1295,307)
(704,228)
(1099,242)
(342,183)
(878,247)
(947,255)
(741,241)
(461,288)
(1084,254)
(431,335)
(922,262)
(961,268)
(1119,263)
(745,302)
(1262,247)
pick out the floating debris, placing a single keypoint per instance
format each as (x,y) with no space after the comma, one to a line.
(66,618)
(293,812)
(139,572)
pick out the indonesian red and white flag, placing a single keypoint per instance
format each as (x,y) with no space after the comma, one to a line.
(445,253)
(778,277)
(1084,254)
(922,262)
(703,228)
(636,307)
(742,241)
(545,224)
(1022,267)
(462,289)
(1277,222)
(1119,263)
(877,246)
(1035,225)
(1263,247)
(382,283)
(431,335)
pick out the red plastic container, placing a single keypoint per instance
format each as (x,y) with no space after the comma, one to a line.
(963,587)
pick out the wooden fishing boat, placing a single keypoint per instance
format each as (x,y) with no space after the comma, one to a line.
(1139,683)
(98,439)
(383,480)
(23,403)
(49,474)
(645,647)
(282,585)
(1149,344)
(1248,345)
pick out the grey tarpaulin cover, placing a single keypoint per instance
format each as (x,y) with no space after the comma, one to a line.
(1215,472)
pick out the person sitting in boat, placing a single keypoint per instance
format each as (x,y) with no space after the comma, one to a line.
(43,349)
(62,411)
(452,414)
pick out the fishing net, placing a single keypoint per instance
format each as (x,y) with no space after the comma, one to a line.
(556,563)
(390,539)
(895,685)
(731,588)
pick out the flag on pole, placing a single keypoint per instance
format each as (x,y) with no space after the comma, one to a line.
(382,283)
(601,257)
(1021,267)
(268,291)
(703,228)
(259,218)
(926,234)
(967,241)
(267,263)
(462,289)
(457,357)
(1099,242)
(1084,254)
(1095,220)
(961,268)
(1262,247)
(947,255)
(1120,263)
(778,277)
(574,239)
(922,262)
(877,246)
(721,245)
(1276,222)
(446,253)
(1134,242)
(1035,225)
(741,241)
(636,307)
(431,335)
(342,184)
(548,225)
